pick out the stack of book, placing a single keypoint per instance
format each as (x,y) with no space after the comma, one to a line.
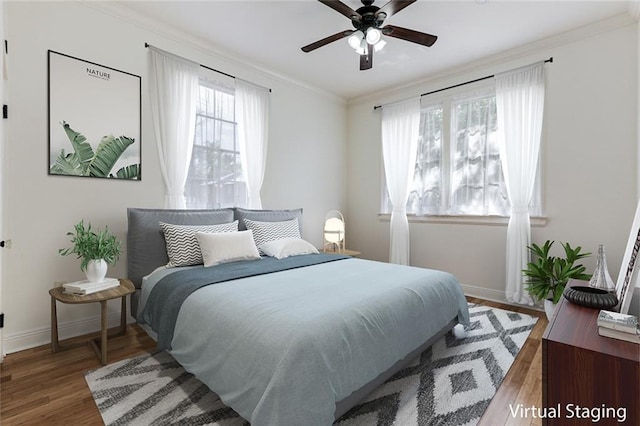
(87,287)
(618,326)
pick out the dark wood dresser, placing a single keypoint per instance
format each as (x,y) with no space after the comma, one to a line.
(583,369)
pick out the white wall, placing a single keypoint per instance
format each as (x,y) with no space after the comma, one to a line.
(306,157)
(589,164)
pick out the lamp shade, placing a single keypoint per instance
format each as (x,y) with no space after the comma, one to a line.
(354,39)
(379,45)
(373,35)
(334,231)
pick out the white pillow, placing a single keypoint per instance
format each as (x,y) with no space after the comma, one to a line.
(263,232)
(182,247)
(227,247)
(287,247)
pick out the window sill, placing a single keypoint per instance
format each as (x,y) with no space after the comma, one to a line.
(537,221)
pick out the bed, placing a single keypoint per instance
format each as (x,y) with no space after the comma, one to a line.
(298,340)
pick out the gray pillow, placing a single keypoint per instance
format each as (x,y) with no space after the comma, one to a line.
(267,216)
(146,249)
(183,248)
(263,232)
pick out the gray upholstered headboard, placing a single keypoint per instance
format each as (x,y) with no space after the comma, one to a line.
(146,249)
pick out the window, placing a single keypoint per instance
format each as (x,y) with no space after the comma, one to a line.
(458,169)
(215,178)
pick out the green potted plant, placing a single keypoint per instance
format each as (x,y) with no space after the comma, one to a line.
(547,275)
(96,249)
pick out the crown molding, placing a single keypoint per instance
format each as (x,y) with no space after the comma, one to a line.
(495,63)
(133,17)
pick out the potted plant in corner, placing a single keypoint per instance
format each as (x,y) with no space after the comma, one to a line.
(96,249)
(547,276)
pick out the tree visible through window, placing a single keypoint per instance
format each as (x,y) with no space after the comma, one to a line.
(215,178)
(458,168)
(426,195)
(477,182)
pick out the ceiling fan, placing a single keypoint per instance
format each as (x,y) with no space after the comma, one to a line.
(367,35)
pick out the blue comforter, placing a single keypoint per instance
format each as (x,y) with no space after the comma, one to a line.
(165,301)
(282,348)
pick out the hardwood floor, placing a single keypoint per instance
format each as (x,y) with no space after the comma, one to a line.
(41,388)
(523,382)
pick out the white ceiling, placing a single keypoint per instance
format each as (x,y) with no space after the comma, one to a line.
(270,34)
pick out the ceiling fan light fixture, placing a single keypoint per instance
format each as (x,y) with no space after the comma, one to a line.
(355,38)
(363,49)
(369,27)
(373,35)
(379,45)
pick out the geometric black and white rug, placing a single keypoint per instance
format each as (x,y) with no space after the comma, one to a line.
(450,383)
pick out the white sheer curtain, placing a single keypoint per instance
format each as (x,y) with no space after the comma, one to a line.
(400,131)
(520,105)
(252,116)
(477,183)
(174,93)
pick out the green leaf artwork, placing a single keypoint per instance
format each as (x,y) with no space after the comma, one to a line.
(84,161)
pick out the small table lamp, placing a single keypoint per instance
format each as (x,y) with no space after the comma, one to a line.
(333,232)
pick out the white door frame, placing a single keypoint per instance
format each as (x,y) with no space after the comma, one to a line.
(3,97)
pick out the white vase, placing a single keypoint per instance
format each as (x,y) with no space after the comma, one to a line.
(549,308)
(96,270)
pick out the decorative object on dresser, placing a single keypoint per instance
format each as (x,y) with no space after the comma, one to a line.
(617,321)
(583,369)
(601,278)
(547,275)
(589,296)
(629,276)
(619,326)
(105,104)
(96,249)
(621,335)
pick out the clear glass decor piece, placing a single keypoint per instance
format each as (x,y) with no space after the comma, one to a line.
(601,278)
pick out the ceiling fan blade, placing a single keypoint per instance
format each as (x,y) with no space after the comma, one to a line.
(327,40)
(409,35)
(366,61)
(394,6)
(342,8)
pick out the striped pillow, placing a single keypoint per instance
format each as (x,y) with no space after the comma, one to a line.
(263,232)
(182,246)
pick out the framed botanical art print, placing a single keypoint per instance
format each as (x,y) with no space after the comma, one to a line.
(94,120)
(629,276)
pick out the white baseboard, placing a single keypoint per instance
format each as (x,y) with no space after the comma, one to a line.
(30,339)
(493,295)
